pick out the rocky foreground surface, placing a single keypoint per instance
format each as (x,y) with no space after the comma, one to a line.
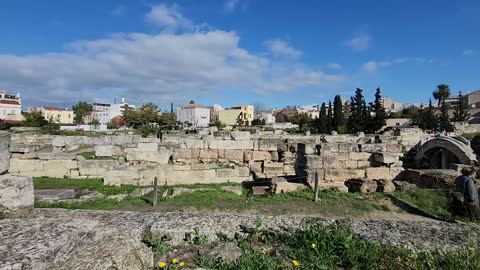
(78,239)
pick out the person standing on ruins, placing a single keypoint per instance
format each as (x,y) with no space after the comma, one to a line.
(160,135)
(465,199)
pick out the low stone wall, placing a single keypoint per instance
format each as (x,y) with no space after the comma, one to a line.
(221,157)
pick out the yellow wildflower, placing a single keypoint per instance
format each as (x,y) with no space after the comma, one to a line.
(295,263)
(471,249)
(162,264)
(314,245)
(182,264)
(174,260)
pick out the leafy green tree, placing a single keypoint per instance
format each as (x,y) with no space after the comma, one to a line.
(426,118)
(379,120)
(461,112)
(359,118)
(80,110)
(338,116)
(410,112)
(444,119)
(95,123)
(329,118)
(167,119)
(323,119)
(34,118)
(302,120)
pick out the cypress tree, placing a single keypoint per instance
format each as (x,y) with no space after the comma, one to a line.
(323,119)
(338,118)
(379,120)
(461,112)
(329,118)
(358,119)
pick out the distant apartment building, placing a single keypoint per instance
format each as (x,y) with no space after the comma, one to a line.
(214,111)
(56,114)
(266,116)
(237,115)
(392,106)
(313,111)
(193,116)
(10,106)
(105,112)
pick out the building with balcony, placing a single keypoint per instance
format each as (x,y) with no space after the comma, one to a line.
(10,106)
(105,112)
(193,116)
(237,115)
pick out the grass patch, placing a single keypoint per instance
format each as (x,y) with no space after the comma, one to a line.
(433,202)
(91,155)
(79,184)
(98,204)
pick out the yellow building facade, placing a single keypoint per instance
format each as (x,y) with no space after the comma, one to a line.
(58,115)
(237,115)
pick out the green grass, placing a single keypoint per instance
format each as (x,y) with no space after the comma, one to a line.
(91,155)
(98,204)
(331,247)
(79,184)
(433,202)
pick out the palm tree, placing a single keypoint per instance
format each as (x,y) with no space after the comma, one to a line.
(442,93)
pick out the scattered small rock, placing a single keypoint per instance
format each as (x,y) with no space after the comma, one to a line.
(362,185)
(92,196)
(385,186)
(140,192)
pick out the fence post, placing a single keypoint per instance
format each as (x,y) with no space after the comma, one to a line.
(155,191)
(315,199)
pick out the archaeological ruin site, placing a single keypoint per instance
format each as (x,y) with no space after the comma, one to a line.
(249,164)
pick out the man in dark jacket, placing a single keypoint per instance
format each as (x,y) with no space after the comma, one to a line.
(465,199)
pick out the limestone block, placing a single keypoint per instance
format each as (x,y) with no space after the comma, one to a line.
(61,164)
(182,153)
(267,145)
(362,185)
(306,148)
(363,164)
(208,154)
(161,157)
(340,187)
(385,158)
(104,150)
(332,163)
(58,141)
(289,170)
(342,175)
(26,165)
(241,171)
(347,147)
(360,156)
(147,147)
(225,172)
(240,135)
(273,169)
(385,186)
(16,193)
(393,148)
(4,152)
(94,168)
(203,166)
(195,153)
(261,155)
(57,156)
(286,187)
(230,144)
(181,167)
(350,164)
(274,156)
(233,154)
(247,155)
(383,173)
(374,147)
(121,176)
(54,194)
(193,143)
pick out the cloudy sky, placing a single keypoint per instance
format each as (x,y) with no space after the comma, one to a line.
(279,53)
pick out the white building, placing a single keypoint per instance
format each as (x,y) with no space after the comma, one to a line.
(392,106)
(313,111)
(193,116)
(214,111)
(105,112)
(10,106)
(268,117)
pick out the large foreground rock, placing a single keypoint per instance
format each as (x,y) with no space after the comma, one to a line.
(16,194)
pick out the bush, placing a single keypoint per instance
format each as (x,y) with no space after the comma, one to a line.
(147,129)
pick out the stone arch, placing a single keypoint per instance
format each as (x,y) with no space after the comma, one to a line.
(441,152)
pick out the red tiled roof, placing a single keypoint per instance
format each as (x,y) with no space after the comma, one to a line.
(194,105)
(49,108)
(7,101)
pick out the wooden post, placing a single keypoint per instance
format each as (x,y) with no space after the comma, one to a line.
(315,199)
(155,191)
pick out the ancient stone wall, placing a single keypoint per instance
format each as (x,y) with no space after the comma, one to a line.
(221,157)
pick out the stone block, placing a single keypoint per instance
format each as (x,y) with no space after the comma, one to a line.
(261,155)
(342,175)
(161,157)
(286,187)
(267,145)
(57,156)
(350,164)
(331,162)
(203,166)
(306,148)
(225,172)
(4,151)
(385,158)
(347,147)
(259,190)
(374,147)
(147,147)
(359,156)
(26,165)
(208,154)
(385,186)
(94,168)
(104,150)
(230,154)
(240,135)
(61,164)
(273,169)
(340,187)
(383,173)
(182,167)
(394,148)
(362,185)
(54,194)
(16,194)
(241,171)
(363,164)
(314,162)
(289,170)
(230,144)
(238,190)
(274,156)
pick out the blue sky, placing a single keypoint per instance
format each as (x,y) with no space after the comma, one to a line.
(236,51)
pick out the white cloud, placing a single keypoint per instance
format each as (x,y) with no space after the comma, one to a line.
(359,43)
(160,68)
(167,16)
(230,5)
(374,66)
(119,10)
(280,47)
(334,66)
(468,52)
